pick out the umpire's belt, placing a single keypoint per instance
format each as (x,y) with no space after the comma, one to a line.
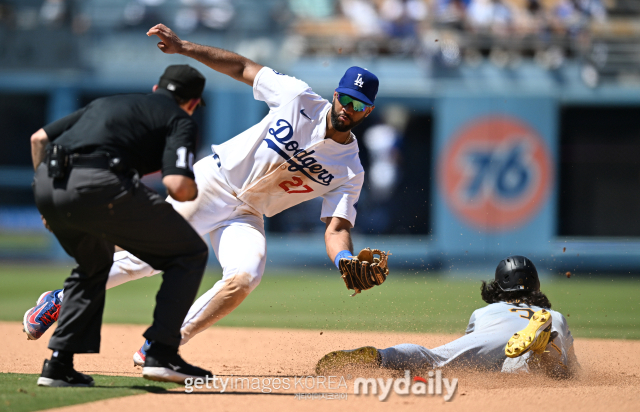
(90,161)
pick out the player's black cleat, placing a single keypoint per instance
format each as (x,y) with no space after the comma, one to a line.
(168,366)
(56,374)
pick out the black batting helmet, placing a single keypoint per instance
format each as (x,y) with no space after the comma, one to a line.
(517,273)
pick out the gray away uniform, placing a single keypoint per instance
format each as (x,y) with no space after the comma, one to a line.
(482,347)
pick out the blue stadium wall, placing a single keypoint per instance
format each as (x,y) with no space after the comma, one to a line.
(492,171)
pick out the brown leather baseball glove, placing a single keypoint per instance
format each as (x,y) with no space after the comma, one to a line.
(364,271)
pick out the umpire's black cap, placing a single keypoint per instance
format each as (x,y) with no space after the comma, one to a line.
(517,273)
(184,81)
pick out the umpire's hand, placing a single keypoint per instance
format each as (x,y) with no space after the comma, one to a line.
(170,43)
(46,225)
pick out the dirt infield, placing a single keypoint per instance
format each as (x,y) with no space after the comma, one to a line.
(610,378)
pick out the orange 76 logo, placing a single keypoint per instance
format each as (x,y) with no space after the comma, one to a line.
(288,184)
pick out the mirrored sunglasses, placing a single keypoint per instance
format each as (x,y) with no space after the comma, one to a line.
(358,106)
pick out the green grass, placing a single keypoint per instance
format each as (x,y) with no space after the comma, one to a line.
(317,299)
(12,242)
(19,393)
(313,299)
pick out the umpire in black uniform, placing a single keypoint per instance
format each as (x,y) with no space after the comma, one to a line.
(86,186)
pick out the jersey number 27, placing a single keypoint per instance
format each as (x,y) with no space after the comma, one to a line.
(297,182)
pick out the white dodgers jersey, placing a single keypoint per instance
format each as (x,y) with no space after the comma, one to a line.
(285,159)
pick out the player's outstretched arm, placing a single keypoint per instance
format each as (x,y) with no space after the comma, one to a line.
(337,236)
(360,272)
(223,61)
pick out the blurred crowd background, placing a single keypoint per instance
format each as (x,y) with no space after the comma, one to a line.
(446,33)
(582,56)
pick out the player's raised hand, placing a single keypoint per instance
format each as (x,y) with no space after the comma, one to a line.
(169,43)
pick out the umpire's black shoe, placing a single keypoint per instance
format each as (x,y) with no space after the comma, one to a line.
(57,374)
(165,366)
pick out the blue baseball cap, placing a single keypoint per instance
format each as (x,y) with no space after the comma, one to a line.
(360,84)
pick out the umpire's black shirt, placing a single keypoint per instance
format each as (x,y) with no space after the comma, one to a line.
(148,132)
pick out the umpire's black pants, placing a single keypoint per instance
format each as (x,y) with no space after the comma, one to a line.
(90,211)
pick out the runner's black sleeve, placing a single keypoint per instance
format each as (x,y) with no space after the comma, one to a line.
(55,129)
(179,150)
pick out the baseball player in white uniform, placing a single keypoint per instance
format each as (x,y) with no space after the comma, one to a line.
(301,150)
(516,332)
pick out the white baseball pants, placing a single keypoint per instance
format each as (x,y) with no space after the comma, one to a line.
(237,236)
